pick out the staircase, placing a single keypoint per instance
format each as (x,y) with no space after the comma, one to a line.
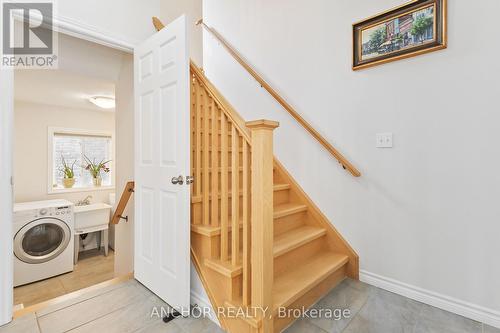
(257,239)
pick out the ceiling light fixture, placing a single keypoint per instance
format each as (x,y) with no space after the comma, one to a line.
(103,102)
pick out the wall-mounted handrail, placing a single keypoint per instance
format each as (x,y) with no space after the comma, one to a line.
(340,158)
(127,192)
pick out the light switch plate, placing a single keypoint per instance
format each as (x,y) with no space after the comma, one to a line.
(384,140)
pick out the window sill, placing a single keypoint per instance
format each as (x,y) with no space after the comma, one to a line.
(80,189)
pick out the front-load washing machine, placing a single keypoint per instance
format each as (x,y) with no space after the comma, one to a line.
(43,240)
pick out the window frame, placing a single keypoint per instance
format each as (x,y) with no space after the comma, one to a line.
(77,132)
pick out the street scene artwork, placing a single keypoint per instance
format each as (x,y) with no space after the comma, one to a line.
(389,35)
(407,31)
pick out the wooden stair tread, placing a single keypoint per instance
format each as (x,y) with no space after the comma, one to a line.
(296,282)
(226,268)
(281,187)
(288,209)
(209,231)
(277,187)
(295,238)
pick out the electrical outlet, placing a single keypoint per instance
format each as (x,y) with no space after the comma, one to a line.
(384,140)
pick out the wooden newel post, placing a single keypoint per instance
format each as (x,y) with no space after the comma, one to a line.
(262,218)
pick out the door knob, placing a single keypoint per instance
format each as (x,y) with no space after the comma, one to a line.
(189,180)
(178,180)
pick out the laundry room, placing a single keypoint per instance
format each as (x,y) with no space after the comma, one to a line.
(73,156)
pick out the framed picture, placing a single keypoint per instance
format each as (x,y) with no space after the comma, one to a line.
(411,29)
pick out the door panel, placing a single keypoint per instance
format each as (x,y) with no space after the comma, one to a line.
(162,209)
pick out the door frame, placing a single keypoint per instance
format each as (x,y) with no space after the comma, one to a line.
(65,26)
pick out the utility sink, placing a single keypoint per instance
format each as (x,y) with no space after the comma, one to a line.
(92,217)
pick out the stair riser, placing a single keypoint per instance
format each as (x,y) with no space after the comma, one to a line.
(210,246)
(197,212)
(288,223)
(281,197)
(204,246)
(298,255)
(311,298)
(234,285)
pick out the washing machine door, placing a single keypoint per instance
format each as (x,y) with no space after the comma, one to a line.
(41,240)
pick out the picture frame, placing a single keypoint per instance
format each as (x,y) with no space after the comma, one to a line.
(414,28)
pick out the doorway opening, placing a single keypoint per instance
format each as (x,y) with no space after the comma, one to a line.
(68,163)
(151,148)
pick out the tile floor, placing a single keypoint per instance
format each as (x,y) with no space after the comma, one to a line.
(127,307)
(92,268)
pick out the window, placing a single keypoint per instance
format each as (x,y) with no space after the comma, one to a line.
(73,146)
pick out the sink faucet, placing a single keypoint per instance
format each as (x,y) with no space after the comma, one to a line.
(84,202)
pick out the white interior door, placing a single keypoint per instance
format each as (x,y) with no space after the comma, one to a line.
(162,209)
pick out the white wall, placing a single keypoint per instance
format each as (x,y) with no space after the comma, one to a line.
(31,123)
(124,231)
(424,213)
(172,9)
(127,20)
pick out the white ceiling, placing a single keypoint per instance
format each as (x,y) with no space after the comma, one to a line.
(85,69)
(60,88)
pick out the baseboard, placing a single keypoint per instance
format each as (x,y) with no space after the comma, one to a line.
(205,304)
(462,308)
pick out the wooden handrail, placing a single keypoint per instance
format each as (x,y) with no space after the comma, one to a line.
(158,24)
(127,192)
(340,158)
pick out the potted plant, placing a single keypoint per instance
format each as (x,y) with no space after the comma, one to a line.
(95,169)
(68,172)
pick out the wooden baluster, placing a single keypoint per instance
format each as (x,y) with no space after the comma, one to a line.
(206,148)
(262,217)
(215,164)
(197,177)
(246,227)
(224,187)
(235,198)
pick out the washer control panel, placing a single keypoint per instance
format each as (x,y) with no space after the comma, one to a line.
(66,210)
(23,213)
(59,212)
